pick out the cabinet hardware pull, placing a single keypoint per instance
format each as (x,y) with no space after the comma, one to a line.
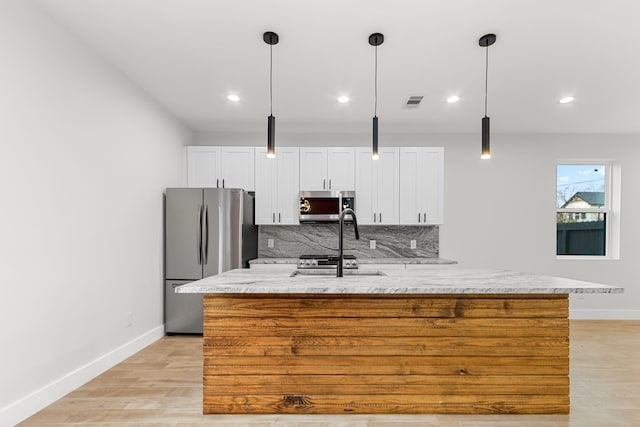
(425,217)
(217,182)
(222,182)
(329,184)
(279,217)
(418,216)
(374,217)
(324,184)
(273,217)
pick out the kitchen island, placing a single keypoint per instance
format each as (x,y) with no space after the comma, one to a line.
(447,340)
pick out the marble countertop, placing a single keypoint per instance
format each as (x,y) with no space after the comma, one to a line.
(361,261)
(274,261)
(447,280)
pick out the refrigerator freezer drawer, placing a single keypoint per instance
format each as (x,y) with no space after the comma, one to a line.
(183,312)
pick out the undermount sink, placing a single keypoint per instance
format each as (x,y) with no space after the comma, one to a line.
(330,272)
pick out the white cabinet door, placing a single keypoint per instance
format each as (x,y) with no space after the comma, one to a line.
(203,166)
(313,168)
(377,186)
(421,184)
(237,168)
(433,185)
(410,197)
(265,187)
(364,186)
(288,185)
(388,182)
(341,169)
(277,186)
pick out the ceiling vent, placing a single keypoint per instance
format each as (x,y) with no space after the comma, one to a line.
(413,102)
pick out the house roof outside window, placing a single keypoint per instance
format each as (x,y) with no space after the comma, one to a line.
(586,199)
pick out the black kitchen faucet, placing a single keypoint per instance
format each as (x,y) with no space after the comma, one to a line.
(346,211)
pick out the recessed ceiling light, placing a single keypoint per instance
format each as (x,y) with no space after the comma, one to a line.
(233,98)
(453,99)
(566,100)
(342,99)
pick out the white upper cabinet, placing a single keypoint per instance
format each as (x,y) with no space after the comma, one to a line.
(222,167)
(327,168)
(265,187)
(288,185)
(237,166)
(341,168)
(277,186)
(377,186)
(404,186)
(421,185)
(313,168)
(203,166)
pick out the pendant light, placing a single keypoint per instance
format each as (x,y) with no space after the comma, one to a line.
(271,38)
(375,39)
(486,41)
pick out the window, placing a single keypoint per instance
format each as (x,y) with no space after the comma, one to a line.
(583,208)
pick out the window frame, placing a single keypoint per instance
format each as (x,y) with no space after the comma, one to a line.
(611,248)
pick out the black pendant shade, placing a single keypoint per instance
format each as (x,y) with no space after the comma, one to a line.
(375,39)
(486,41)
(486,151)
(375,154)
(271,39)
(271,136)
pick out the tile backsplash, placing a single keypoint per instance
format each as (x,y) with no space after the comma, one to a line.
(392,241)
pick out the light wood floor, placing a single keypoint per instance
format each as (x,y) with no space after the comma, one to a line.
(161,386)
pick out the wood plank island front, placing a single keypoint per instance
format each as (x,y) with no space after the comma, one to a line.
(435,341)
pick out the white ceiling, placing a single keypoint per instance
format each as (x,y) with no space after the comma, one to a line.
(190,54)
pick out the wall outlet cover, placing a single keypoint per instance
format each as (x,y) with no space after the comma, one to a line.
(269,243)
(413,244)
(372,244)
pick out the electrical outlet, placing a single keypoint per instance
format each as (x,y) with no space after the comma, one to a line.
(269,243)
(129,319)
(372,244)
(412,244)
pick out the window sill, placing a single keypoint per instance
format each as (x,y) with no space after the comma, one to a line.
(587,257)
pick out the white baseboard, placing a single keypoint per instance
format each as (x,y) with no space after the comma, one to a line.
(599,314)
(39,399)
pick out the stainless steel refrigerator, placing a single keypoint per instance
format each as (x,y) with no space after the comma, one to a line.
(207,231)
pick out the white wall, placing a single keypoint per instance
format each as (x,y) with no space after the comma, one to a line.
(84,159)
(500,213)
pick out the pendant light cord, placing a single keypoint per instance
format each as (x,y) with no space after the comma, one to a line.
(375,97)
(271,79)
(486,79)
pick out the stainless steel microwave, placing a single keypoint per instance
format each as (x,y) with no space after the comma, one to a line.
(325,206)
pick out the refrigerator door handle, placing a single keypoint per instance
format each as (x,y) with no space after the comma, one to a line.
(200,235)
(206,234)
